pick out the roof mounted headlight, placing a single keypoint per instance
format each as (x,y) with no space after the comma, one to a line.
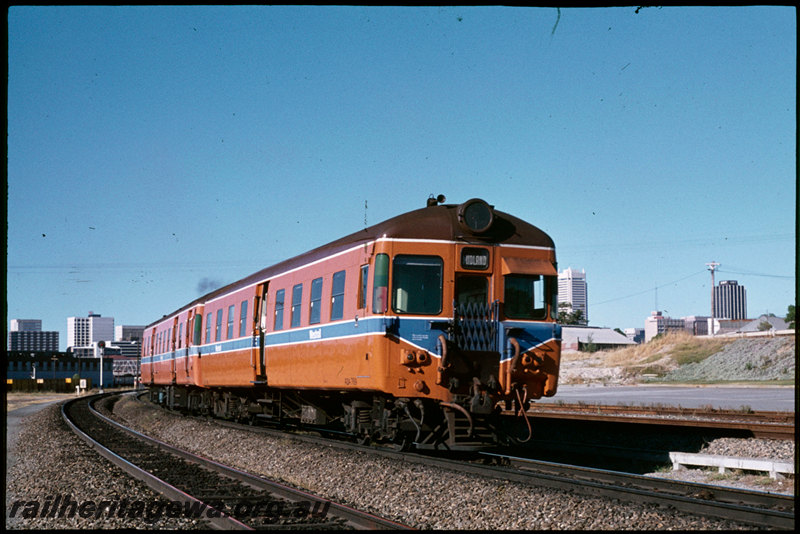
(475,215)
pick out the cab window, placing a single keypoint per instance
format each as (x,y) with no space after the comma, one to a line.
(471,290)
(525,296)
(417,284)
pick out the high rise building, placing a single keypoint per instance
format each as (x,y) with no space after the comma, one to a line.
(573,292)
(27,335)
(83,331)
(730,300)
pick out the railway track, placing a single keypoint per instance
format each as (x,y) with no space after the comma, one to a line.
(763,424)
(216,495)
(754,508)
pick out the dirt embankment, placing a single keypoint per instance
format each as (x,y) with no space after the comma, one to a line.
(681,358)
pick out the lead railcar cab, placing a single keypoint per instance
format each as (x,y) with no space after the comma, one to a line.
(417,330)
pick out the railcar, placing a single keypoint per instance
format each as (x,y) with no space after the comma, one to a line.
(415,331)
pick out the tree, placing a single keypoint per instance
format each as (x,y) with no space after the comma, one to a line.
(790,316)
(575,317)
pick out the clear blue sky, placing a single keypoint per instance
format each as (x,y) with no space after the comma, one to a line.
(156,151)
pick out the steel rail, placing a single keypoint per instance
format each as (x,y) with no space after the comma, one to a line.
(218,521)
(354,518)
(690,497)
(774,425)
(752,507)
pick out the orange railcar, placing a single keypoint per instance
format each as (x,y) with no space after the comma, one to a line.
(416,330)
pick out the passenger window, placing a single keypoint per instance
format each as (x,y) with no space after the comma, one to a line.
(279,297)
(208,328)
(180,336)
(525,297)
(362,287)
(316,301)
(297,298)
(337,296)
(380,284)
(243,319)
(231,314)
(417,284)
(218,331)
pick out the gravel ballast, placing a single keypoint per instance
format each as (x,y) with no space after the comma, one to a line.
(53,462)
(54,466)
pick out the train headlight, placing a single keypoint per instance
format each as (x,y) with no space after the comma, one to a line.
(476,215)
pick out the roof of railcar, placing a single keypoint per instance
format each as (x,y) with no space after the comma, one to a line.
(437,222)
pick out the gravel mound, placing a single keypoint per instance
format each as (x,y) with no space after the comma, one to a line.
(743,359)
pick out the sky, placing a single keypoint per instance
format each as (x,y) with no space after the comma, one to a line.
(155,153)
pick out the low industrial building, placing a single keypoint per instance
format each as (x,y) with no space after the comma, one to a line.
(587,338)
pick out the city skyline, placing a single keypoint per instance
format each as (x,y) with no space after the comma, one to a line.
(157,152)
(119,329)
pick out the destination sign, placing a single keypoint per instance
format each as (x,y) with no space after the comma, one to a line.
(474,258)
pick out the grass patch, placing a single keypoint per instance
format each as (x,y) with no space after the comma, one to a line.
(696,351)
(677,348)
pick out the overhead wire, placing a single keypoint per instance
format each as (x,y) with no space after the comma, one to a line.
(649,289)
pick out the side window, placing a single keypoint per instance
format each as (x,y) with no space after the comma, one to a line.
(297,298)
(362,287)
(417,284)
(316,301)
(180,336)
(243,319)
(208,328)
(231,314)
(279,298)
(380,284)
(218,331)
(337,296)
(552,281)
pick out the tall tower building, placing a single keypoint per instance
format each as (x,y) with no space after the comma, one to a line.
(573,291)
(730,300)
(83,331)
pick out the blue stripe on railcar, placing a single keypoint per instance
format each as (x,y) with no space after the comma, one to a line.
(422,333)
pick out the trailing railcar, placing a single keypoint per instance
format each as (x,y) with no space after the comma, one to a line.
(415,331)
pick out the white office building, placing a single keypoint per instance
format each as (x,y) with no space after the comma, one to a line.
(83,331)
(658,323)
(573,292)
(26,325)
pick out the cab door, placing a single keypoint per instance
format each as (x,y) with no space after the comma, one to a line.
(474,313)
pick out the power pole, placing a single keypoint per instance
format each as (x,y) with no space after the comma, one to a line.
(711,266)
